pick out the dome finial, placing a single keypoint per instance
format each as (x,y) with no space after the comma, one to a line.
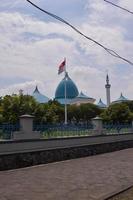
(66,76)
(36,89)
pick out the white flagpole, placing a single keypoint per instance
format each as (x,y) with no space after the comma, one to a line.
(65,95)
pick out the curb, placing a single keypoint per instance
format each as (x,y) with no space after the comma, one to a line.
(117,193)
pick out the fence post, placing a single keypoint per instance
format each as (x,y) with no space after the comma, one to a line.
(26,128)
(98,125)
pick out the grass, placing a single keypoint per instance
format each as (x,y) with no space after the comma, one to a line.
(62,134)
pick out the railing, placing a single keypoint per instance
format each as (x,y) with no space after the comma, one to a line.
(110,128)
(6,130)
(60,130)
(70,130)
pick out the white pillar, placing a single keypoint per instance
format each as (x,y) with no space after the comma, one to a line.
(26,123)
(98,125)
(26,129)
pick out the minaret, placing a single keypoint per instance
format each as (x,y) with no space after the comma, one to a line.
(107,86)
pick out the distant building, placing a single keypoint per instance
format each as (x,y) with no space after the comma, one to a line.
(120,99)
(40,97)
(68,91)
(81,99)
(101,104)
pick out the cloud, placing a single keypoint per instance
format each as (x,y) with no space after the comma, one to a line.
(32,49)
(26,86)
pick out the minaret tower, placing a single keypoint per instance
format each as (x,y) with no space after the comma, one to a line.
(107,86)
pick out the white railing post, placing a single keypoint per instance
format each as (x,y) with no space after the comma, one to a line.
(26,129)
(98,125)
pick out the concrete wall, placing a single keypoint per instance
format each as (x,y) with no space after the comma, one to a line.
(21,146)
(16,154)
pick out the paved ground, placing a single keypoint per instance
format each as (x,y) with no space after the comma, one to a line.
(127,195)
(90,178)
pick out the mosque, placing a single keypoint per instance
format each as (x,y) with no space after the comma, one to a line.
(67,92)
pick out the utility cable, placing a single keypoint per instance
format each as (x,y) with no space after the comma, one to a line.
(113,4)
(110,51)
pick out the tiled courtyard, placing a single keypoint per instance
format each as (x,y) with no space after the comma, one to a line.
(89,178)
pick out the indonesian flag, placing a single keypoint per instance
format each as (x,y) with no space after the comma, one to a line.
(62,67)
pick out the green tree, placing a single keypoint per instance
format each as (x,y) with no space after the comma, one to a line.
(74,114)
(83,113)
(129,104)
(14,106)
(51,112)
(89,111)
(117,113)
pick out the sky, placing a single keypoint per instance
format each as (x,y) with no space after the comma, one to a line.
(32,45)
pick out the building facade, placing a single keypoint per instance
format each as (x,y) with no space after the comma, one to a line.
(67,93)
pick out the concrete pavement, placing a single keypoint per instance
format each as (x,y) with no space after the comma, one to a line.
(89,178)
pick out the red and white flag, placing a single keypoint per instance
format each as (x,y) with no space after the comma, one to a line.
(62,67)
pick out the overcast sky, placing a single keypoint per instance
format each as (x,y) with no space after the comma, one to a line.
(32,45)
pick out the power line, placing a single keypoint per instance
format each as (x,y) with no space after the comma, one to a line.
(110,51)
(118,6)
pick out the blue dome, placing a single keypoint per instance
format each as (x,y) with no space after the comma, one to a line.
(39,97)
(71,89)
